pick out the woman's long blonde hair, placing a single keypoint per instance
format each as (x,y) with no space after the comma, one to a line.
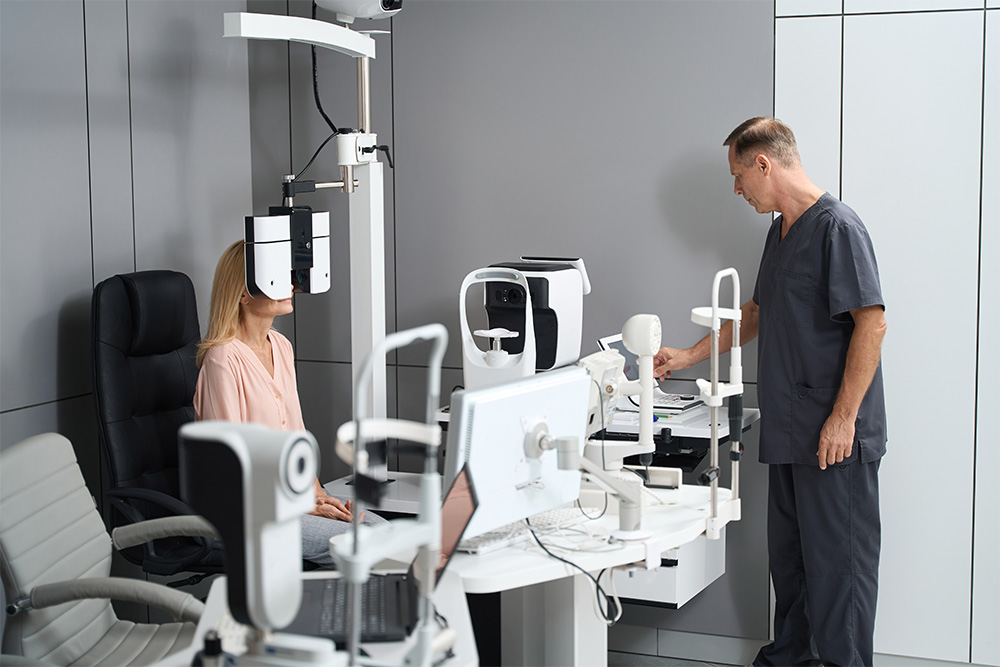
(227,290)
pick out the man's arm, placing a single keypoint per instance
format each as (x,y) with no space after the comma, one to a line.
(836,440)
(670,359)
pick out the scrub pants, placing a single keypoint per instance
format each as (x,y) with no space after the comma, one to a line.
(823,540)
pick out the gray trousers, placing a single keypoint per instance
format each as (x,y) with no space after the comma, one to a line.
(823,542)
(317,531)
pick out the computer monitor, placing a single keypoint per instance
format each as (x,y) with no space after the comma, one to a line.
(486,434)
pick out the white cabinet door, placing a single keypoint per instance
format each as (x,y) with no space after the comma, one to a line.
(911,164)
(986,576)
(807,92)
(865,6)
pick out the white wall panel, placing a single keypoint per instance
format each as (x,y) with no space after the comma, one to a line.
(911,170)
(807,7)
(807,92)
(985,574)
(860,6)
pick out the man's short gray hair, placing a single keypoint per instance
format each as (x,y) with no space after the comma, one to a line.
(765,135)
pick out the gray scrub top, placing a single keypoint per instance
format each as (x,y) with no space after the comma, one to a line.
(806,286)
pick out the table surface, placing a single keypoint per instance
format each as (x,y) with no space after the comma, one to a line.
(672,525)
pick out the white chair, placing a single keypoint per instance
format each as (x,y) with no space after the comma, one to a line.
(55,557)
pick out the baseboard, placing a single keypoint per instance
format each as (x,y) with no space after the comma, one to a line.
(723,650)
(683,645)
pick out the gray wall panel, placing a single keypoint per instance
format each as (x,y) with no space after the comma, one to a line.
(269,127)
(110,137)
(190,129)
(323,322)
(45,261)
(325,395)
(73,418)
(569,134)
(412,403)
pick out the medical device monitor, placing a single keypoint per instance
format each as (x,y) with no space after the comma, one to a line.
(486,434)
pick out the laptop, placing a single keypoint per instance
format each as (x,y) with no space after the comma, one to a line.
(661,400)
(388,601)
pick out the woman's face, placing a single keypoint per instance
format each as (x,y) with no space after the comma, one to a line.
(264,307)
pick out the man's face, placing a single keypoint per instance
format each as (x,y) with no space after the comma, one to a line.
(749,182)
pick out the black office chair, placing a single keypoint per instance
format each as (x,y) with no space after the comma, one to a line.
(145,335)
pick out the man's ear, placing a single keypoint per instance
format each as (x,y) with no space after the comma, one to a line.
(762,163)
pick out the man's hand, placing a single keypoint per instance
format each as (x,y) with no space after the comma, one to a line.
(669,359)
(836,441)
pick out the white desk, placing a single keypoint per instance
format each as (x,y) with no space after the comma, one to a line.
(403,495)
(548,610)
(449,598)
(692,423)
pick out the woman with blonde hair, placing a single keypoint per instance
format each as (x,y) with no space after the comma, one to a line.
(248,375)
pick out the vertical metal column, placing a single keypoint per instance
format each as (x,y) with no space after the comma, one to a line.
(367,234)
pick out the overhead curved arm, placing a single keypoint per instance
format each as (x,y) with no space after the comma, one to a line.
(299,29)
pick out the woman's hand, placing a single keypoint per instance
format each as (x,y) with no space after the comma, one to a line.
(333,508)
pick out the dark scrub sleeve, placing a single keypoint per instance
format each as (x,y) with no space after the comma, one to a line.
(853,275)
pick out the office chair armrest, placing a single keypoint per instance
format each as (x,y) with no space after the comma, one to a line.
(182,606)
(135,534)
(166,501)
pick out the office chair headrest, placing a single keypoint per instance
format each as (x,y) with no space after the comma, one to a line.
(161,321)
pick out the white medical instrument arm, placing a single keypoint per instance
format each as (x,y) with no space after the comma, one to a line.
(714,391)
(361,174)
(366,546)
(627,490)
(641,335)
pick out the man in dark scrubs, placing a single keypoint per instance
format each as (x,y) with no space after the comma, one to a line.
(818,311)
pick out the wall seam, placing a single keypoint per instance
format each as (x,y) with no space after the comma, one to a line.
(395,257)
(44,403)
(843,49)
(291,161)
(131,128)
(90,166)
(979,310)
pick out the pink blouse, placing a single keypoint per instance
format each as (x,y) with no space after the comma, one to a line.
(233,385)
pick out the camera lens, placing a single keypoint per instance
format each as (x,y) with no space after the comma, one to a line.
(514,296)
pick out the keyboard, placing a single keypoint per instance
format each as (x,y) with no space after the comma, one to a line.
(333,617)
(517,532)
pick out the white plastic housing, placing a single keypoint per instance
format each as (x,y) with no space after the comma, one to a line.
(269,253)
(481,370)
